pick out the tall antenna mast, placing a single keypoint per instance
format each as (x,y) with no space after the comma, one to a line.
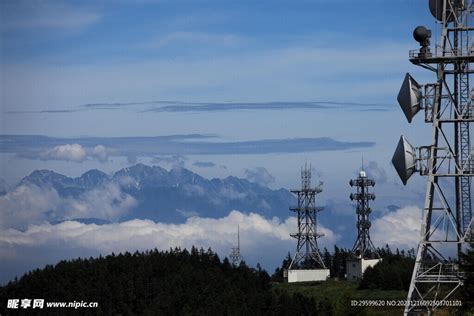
(238,237)
(448,104)
(363,246)
(235,255)
(307,254)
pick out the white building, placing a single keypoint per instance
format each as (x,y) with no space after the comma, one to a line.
(308,275)
(355,268)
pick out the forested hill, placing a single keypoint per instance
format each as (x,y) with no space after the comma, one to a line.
(175,282)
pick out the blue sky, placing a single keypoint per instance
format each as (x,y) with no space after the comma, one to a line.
(61,55)
(237,73)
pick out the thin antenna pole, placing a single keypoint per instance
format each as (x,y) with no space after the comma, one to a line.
(238,237)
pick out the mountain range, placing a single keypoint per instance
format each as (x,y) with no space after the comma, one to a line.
(171,196)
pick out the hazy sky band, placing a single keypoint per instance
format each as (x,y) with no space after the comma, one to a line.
(27,146)
(178,106)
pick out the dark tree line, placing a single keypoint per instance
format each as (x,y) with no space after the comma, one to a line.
(175,282)
(392,273)
(467,291)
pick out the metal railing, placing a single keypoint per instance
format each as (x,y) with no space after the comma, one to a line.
(465,52)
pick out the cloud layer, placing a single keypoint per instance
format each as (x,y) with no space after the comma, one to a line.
(264,240)
(29,204)
(376,172)
(398,229)
(198,107)
(75,152)
(78,149)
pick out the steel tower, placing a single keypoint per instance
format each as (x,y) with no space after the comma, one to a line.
(235,256)
(307,254)
(447,161)
(363,246)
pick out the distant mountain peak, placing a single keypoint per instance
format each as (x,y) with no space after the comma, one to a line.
(94,172)
(160,193)
(91,178)
(45,178)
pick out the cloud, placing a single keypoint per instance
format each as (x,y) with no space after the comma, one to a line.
(185,213)
(106,202)
(376,172)
(27,204)
(30,204)
(400,228)
(233,194)
(174,146)
(259,175)
(58,111)
(204,164)
(261,238)
(45,15)
(68,152)
(196,39)
(197,107)
(176,161)
(123,236)
(265,106)
(99,152)
(299,73)
(75,152)
(132,159)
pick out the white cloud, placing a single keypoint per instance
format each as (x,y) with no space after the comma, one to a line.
(29,204)
(262,240)
(398,229)
(232,194)
(186,213)
(75,153)
(145,234)
(100,153)
(69,152)
(259,175)
(106,202)
(376,172)
(174,161)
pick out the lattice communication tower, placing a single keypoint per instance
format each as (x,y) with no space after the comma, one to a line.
(363,246)
(307,254)
(448,161)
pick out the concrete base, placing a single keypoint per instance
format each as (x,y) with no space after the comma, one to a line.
(308,275)
(355,268)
